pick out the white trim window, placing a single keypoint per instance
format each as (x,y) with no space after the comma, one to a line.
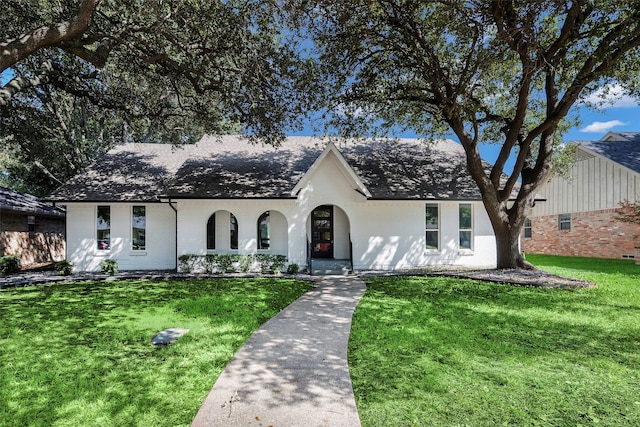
(465,226)
(527,228)
(233,232)
(564,222)
(211,232)
(432,226)
(138,228)
(103,228)
(264,231)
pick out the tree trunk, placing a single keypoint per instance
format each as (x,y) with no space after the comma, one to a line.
(508,249)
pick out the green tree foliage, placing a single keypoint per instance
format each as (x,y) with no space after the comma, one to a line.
(86,74)
(52,136)
(507,72)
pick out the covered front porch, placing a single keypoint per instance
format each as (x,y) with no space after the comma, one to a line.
(329,248)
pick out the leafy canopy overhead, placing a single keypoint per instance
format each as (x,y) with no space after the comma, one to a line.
(506,72)
(167,65)
(143,70)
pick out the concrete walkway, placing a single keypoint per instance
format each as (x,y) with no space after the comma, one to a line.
(293,371)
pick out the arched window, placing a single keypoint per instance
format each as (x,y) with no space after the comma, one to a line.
(211,232)
(264,231)
(233,232)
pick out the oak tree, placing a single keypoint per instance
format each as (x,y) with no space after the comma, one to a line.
(507,72)
(162,70)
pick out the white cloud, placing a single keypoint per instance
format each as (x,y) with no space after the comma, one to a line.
(600,127)
(611,97)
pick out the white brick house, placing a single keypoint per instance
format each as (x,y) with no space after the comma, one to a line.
(379,204)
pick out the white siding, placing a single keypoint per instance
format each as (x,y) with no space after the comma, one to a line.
(597,183)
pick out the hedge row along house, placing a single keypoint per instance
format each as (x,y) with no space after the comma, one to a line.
(327,205)
(30,229)
(579,217)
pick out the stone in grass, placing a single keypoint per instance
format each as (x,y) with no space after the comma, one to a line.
(168,336)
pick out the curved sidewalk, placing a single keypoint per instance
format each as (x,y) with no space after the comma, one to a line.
(293,371)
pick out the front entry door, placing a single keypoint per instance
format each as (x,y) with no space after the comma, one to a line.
(322,232)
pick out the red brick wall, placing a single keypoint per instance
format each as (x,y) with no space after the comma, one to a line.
(45,244)
(593,234)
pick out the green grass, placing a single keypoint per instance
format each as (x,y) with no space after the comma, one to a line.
(437,351)
(79,354)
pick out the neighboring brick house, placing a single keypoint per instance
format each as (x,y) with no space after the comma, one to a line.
(579,215)
(30,228)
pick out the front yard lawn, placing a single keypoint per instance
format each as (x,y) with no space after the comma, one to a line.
(438,351)
(79,354)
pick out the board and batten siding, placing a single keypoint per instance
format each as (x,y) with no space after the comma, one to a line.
(596,183)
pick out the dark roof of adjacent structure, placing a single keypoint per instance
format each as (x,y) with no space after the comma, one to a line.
(622,136)
(229,167)
(624,152)
(11,200)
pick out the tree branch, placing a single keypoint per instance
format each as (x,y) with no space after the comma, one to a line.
(14,50)
(21,83)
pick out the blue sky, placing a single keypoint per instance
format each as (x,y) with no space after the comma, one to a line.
(619,113)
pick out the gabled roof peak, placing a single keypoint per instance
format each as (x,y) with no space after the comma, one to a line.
(621,136)
(330,147)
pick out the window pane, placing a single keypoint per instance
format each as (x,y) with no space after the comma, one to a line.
(465,239)
(322,213)
(527,228)
(104,227)
(465,216)
(322,223)
(432,217)
(432,239)
(264,231)
(564,221)
(138,233)
(211,232)
(432,225)
(233,228)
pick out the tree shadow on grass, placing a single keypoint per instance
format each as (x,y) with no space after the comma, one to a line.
(521,354)
(81,353)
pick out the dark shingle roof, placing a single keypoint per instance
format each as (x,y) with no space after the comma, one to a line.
(129,172)
(624,136)
(228,167)
(626,153)
(11,200)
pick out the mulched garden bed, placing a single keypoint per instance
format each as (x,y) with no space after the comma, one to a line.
(537,278)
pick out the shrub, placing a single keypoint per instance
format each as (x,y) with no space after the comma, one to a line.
(225,262)
(109,266)
(293,269)
(265,262)
(63,267)
(245,263)
(277,263)
(271,263)
(210,263)
(187,262)
(9,264)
